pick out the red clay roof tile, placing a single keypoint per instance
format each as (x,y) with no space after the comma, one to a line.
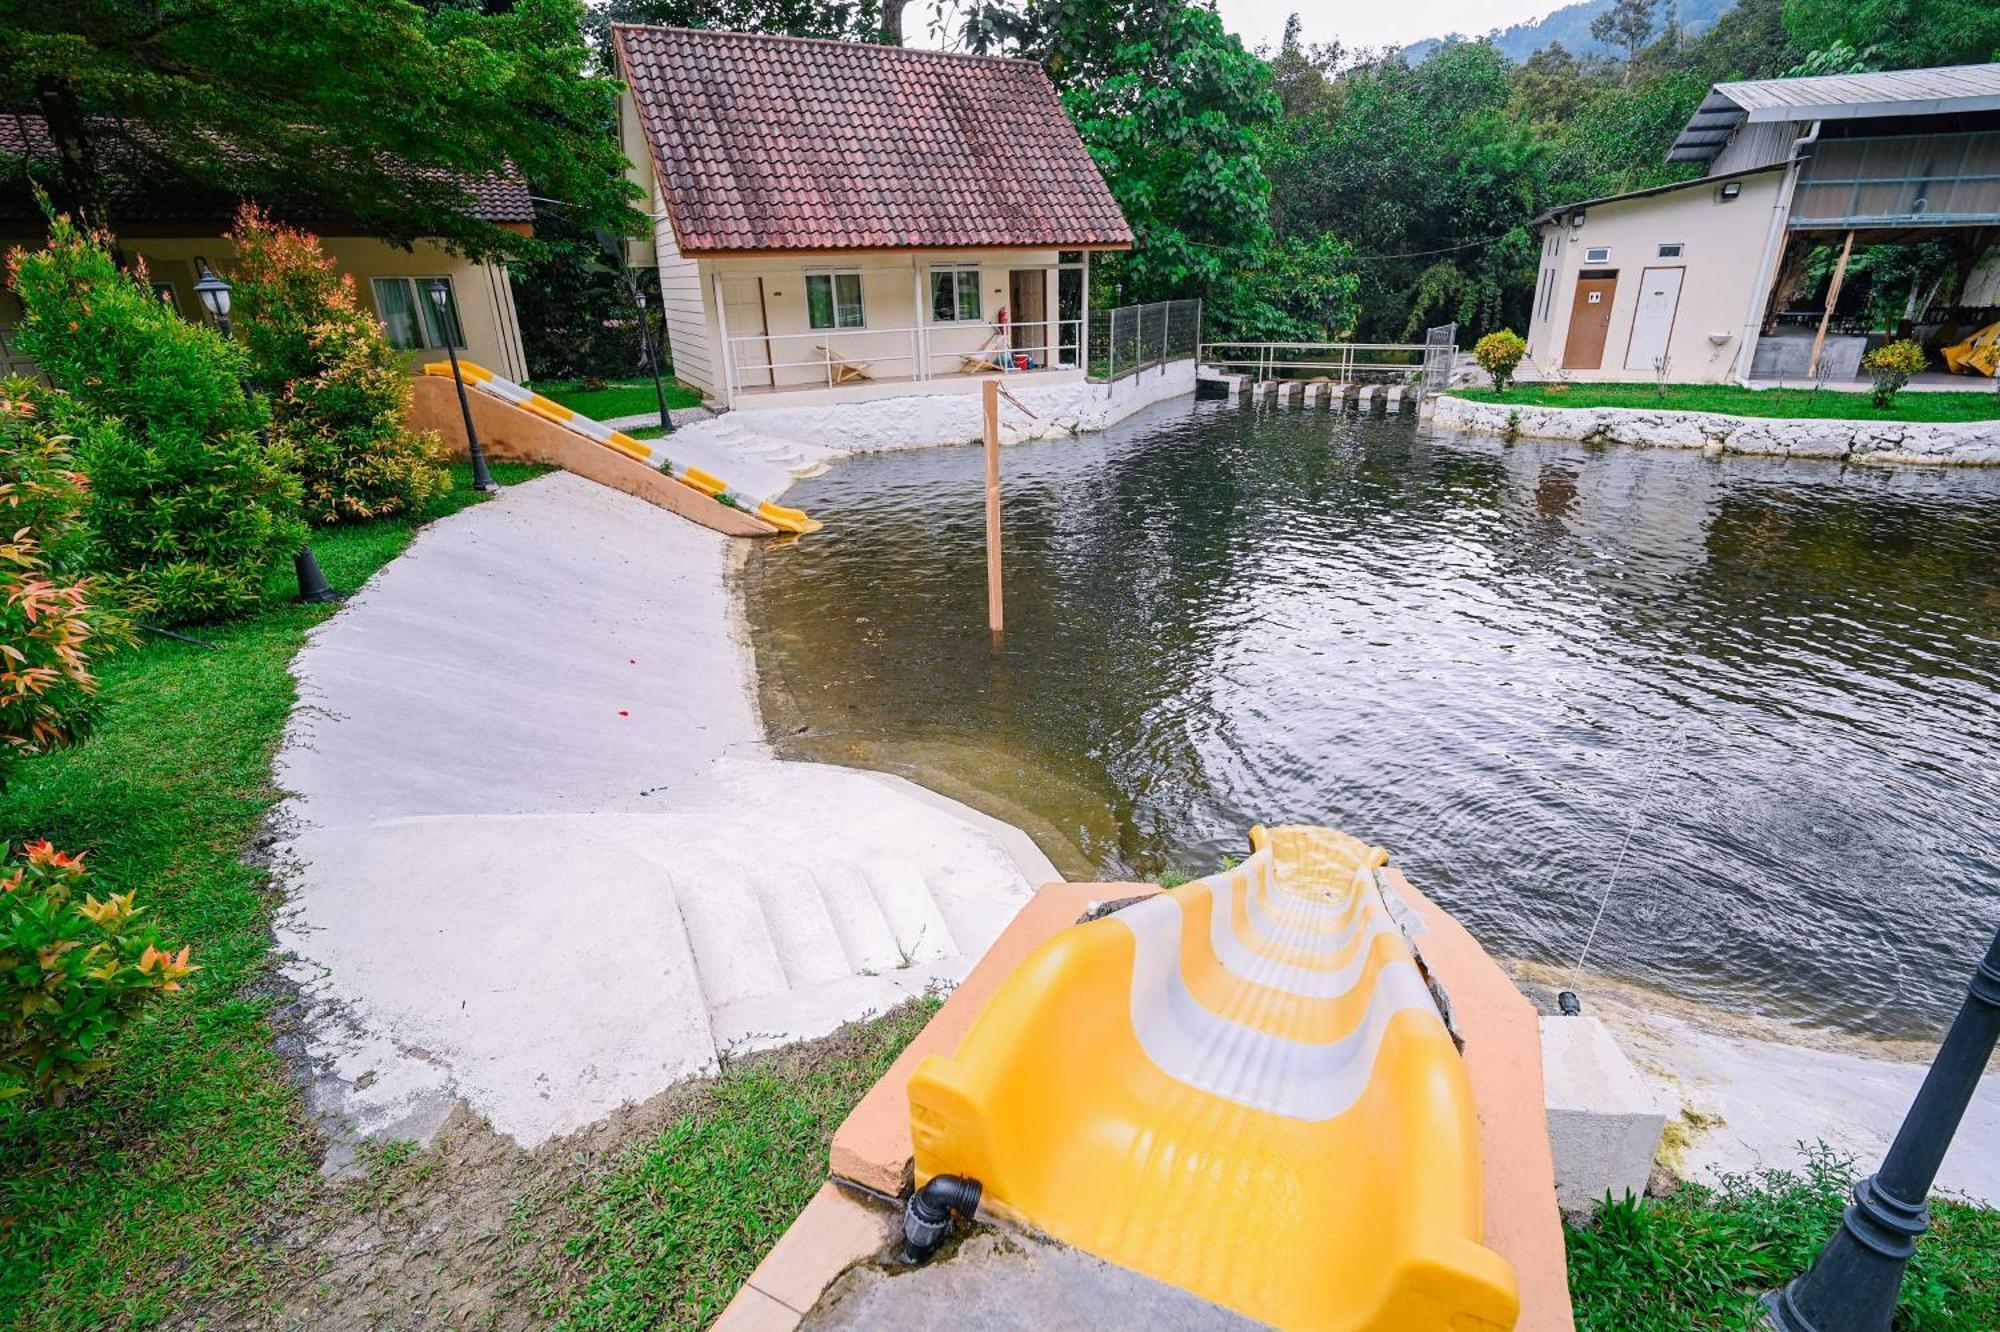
(792,143)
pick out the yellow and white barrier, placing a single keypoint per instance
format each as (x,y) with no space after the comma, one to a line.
(660,453)
(1242,1087)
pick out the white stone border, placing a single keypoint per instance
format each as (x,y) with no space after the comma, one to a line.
(1960,444)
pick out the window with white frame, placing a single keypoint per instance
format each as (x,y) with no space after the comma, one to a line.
(1671,250)
(411,319)
(833,300)
(1597,254)
(955,294)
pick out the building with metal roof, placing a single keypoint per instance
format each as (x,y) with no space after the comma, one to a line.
(1685,281)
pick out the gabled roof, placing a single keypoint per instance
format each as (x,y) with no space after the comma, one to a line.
(139,193)
(788,143)
(1903,92)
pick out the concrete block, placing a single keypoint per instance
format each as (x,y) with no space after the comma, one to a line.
(1366,397)
(1605,1118)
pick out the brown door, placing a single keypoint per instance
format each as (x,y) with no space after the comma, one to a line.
(1589,319)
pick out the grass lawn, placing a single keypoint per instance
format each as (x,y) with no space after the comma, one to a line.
(1699,1257)
(1968,406)
(618,397)
(183,1185)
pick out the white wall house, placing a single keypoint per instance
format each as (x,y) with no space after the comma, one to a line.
(1697,281)
(841,221)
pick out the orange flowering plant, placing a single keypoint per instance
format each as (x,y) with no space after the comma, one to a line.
(74,972)
(52,621)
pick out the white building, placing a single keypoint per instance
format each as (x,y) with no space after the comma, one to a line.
(837,220)
(1701,281)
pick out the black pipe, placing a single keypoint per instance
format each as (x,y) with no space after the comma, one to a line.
(927,1219)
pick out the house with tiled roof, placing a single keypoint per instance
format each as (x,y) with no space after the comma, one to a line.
(174,229)
(839,220)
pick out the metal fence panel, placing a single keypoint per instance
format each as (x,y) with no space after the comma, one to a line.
(1135,338)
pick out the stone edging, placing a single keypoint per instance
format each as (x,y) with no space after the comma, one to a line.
(1967,443)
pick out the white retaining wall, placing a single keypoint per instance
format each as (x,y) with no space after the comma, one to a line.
(1969,443)
(920,420)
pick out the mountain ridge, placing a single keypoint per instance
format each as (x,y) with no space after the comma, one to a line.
(1569,25)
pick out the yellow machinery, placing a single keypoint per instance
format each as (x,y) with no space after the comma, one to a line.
(1242,1087)
(1978,354)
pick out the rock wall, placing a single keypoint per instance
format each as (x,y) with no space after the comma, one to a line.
(1969,443)
(925,419)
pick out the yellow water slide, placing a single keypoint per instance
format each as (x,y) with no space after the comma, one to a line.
(741,482)
(1978,354)
(1242,1086)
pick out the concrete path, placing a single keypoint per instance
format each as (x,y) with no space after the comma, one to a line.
(539,858)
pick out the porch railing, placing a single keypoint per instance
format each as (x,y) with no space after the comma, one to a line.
(827,357)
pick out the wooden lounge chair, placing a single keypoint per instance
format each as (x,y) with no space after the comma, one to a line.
(843,370)
(989,356)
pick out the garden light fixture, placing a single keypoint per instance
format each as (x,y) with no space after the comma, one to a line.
(214,291)
(1853,1285)
(441,298)
(652,351)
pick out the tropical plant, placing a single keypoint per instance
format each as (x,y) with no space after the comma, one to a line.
(339,395)
(382,112)
(51,623)
(188,503)
(73,974)
(1893,364)
(1498,353)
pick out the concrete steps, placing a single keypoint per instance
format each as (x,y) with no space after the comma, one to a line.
(1301,393)
(740,440)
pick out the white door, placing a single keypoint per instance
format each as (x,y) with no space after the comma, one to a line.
(1653,321)
(743,307)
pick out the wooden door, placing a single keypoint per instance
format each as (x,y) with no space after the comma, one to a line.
(743,306)
(1028,290)
(1590,319)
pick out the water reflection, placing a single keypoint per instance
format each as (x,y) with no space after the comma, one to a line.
(1485,657)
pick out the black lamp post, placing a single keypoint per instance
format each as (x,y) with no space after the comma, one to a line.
(214,292)
(652,351)
(441,298)
(1852,1285)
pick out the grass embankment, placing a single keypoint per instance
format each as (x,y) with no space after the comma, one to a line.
(1735,401)
(184,1182)
(618,397)
(1699,1257)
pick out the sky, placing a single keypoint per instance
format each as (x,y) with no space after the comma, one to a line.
(1358,23)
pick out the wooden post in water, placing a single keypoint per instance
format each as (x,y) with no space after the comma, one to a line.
(1832,295)
(989,392)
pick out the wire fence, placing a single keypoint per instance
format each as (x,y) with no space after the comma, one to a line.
(1135,338)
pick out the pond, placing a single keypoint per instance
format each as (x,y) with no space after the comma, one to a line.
(1772,685)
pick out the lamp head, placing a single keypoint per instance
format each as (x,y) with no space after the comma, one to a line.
(440,293)
(212,289)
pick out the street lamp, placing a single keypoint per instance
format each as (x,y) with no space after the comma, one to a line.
(652,351)
(213,289)
(441,298)
(1852,1285)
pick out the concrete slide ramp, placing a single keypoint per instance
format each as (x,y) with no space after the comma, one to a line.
(538,857)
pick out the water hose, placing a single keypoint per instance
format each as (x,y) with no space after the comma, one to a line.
(927,1219)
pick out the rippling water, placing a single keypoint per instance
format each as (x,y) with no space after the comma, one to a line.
(1779,678)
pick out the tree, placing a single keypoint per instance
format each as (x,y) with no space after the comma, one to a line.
(852,20)
(1628,24)
(378,112)
(1895,34)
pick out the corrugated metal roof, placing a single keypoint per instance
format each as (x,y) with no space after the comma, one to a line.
(1944,90)
(1554,213)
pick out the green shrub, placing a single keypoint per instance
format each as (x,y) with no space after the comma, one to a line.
(1700,1256)
(72,974)
(1498,353)
(1892,364)
(50,623)
(188,503)
(339,394)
